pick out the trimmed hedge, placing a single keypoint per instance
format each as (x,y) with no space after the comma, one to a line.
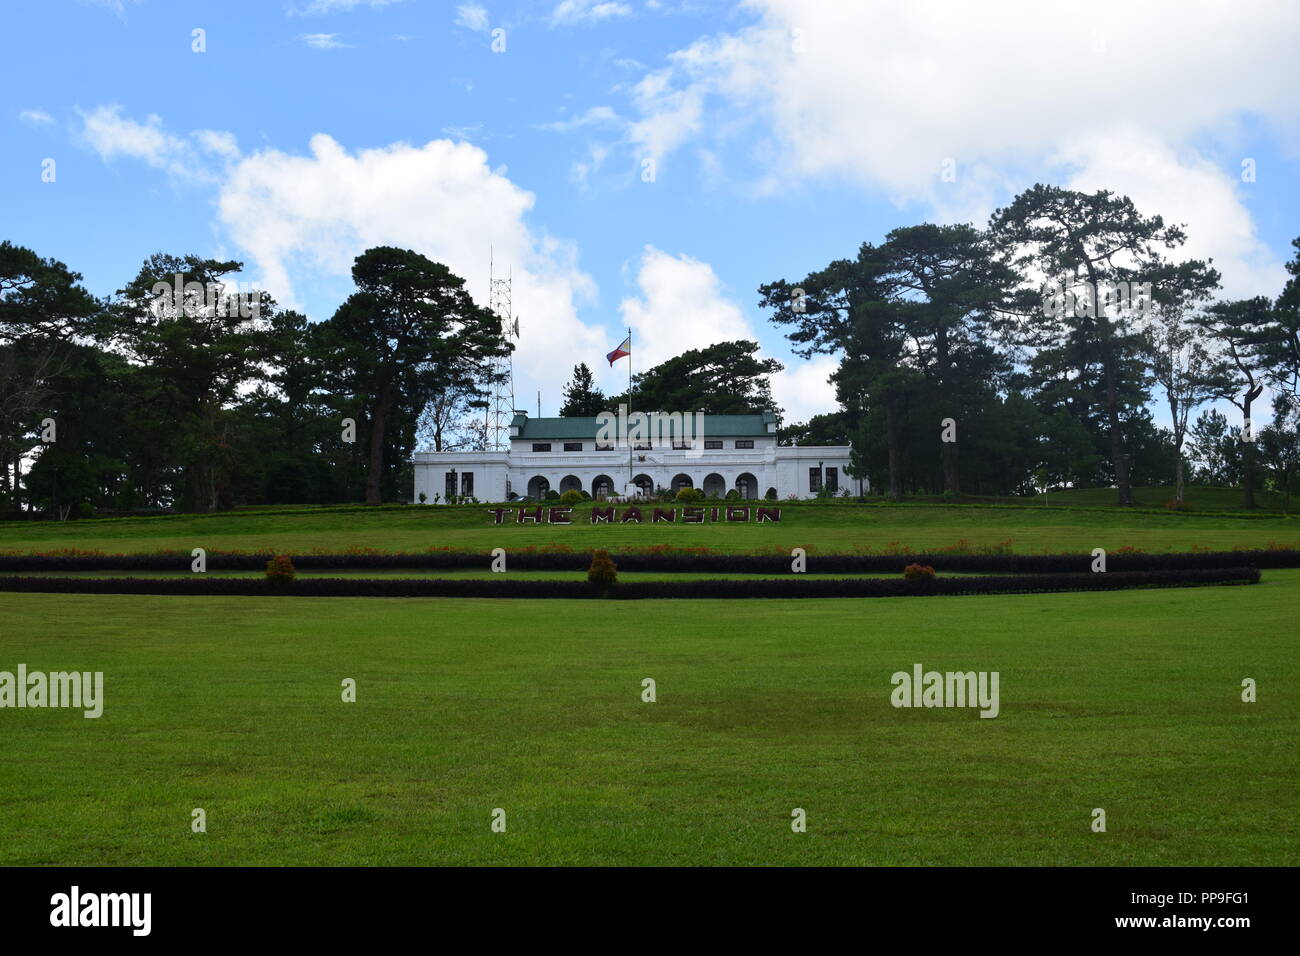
(790,586)
(579,561)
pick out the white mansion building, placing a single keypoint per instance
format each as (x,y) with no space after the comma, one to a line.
(564,454)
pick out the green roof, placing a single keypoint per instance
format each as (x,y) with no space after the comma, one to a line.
(715,426)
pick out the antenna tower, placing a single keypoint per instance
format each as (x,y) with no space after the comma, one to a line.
(501,406)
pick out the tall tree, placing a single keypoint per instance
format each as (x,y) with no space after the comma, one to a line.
(911,318)
(43,310)
(1280,350)
(1216,447)
(410,331)
(452,420)
(199,345)
(1279,445)
(581,397)
(1241,329)
(726,378)
(1185,369)
(842,309)
(1089,243)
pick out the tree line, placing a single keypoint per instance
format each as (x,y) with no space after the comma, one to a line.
(183,392)
(1021,356)
(1027,354)
(991,361)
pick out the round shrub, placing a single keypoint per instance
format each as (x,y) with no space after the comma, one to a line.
(279,570)
(771,494)
(552,495)
(689,494)
(733,495)
(918,572)
(571,497)
(603,572)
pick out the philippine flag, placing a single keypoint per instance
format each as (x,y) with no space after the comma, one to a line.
(621,352)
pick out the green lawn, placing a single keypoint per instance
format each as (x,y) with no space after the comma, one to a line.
(826,528)
(1127,701)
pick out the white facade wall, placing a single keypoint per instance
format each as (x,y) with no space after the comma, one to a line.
(496,473)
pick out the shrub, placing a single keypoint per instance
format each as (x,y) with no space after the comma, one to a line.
(603,573)
(552,495)
(918,572)
(571,497)
(423,497)
(689,494)
(733,495)
(770,494)
(279,570)
(786,586)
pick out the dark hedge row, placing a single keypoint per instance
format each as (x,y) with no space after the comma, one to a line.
(734,563)
(504,587)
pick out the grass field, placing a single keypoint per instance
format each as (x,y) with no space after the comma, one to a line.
(1127,701)
(844,528)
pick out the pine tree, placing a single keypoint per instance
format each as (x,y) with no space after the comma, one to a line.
(581,397)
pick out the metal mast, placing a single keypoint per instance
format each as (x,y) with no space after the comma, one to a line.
(501,406)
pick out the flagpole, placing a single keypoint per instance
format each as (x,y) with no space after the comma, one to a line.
(629,406)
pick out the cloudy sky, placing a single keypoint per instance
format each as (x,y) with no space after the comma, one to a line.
(632,163)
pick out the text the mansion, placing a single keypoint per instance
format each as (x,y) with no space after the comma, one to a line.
(633,515)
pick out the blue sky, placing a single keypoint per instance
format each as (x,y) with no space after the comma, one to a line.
(780,135)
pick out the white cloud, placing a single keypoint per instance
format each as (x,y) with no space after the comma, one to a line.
(303,219)
(118,7)
(472,16)
(220,142)
(36,118)
(587,11)
(112,135)
(881,94)
(338,6)
(804,389)
(323,41)
(1184,188)
(682,305)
